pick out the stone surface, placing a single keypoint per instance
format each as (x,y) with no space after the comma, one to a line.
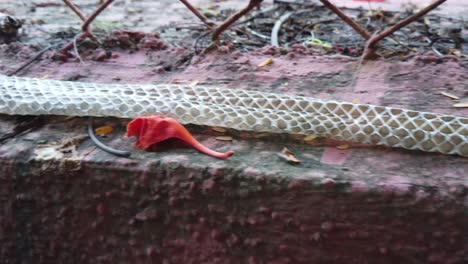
(179,206)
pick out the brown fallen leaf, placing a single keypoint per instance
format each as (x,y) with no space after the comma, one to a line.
(344,146)
(224,138)
(288,156)
(310,137)
(452,96)
(212,6)
(219,129)
(65,148)
(461,105)
(455,52)
(266,62)
(71,142)
(210,13)
(286,151)
(103,131)
(427,22)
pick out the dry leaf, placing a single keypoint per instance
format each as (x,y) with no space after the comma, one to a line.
(450,95)
(266,62)
(218,129)
(310,137)
(287,155)
(461,105)
(455,52)
(103,131)
(293,159)
(288,159)
(71,142)
(210,13)
(344,146)
(194,83)
(224,138)
(286,151)
(427,22)
(66,148)
(355,101)
(212,6)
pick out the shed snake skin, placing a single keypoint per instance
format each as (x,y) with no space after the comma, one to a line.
(241,110)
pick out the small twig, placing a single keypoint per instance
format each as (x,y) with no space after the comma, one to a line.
(279,23)
(256,14)
(33,59)
(197,13)
(99,144)
(366,35)
(404,45)
(73,43)
(25,125)
(75,47)
(257,34)
(436,51)
(230,20)
(277,27)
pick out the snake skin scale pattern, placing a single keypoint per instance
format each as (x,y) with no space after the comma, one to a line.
(241,110)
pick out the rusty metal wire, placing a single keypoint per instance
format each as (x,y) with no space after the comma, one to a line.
(86,26)
(255,37)
(215,29)
(371,42)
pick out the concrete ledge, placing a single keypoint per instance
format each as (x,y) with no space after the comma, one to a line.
(179,206)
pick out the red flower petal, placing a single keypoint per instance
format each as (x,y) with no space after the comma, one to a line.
(151,130)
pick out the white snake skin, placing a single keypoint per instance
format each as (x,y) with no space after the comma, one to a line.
(239,109)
